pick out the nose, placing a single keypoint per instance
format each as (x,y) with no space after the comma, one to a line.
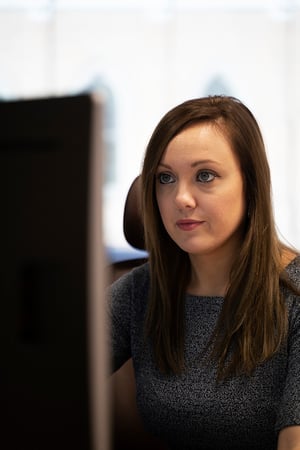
(184,198)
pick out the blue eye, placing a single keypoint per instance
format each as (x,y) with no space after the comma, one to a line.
(165,178)
(205,176)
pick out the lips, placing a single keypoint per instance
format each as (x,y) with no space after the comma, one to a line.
(188,224)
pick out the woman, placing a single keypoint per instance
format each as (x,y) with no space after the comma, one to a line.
(212,322)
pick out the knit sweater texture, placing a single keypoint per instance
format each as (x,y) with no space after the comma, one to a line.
(191,410)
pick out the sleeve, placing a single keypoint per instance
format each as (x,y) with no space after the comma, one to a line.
(289,410)
(119,298)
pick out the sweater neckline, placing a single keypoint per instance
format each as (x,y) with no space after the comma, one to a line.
(219,298)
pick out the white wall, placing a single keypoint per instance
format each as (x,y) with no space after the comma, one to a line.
(154,57)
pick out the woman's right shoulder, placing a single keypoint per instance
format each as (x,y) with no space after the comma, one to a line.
(135,282)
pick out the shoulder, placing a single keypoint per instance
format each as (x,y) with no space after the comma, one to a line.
(293,271)
(289,410)
(135,280)
(292,296)
(126,303)
(130,291)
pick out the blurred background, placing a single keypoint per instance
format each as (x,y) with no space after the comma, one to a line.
(146,56)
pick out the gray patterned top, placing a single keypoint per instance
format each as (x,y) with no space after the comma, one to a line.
(192,411)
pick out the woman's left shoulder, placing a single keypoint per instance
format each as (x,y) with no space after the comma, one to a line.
(292,294)
(293,270)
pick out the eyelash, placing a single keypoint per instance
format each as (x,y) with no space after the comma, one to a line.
(172,178)
(165,174)
(209,172)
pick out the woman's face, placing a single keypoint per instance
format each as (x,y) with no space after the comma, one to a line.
(200,192)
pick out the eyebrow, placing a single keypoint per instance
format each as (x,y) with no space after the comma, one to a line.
(194,164)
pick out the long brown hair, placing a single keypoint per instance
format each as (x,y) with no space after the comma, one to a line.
(257,273)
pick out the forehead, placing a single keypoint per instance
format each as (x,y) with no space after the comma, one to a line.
(200,141)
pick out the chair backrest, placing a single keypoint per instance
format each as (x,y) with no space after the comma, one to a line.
(132,219)
(133,231)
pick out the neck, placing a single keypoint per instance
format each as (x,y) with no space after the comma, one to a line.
(210,276)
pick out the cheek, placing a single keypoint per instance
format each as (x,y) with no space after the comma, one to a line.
(233,210)
(230,208)
(164,209)
(161,205)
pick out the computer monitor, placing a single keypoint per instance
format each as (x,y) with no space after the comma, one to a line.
(52,358)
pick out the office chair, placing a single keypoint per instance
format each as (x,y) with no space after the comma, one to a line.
(133,231)
(127,429)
